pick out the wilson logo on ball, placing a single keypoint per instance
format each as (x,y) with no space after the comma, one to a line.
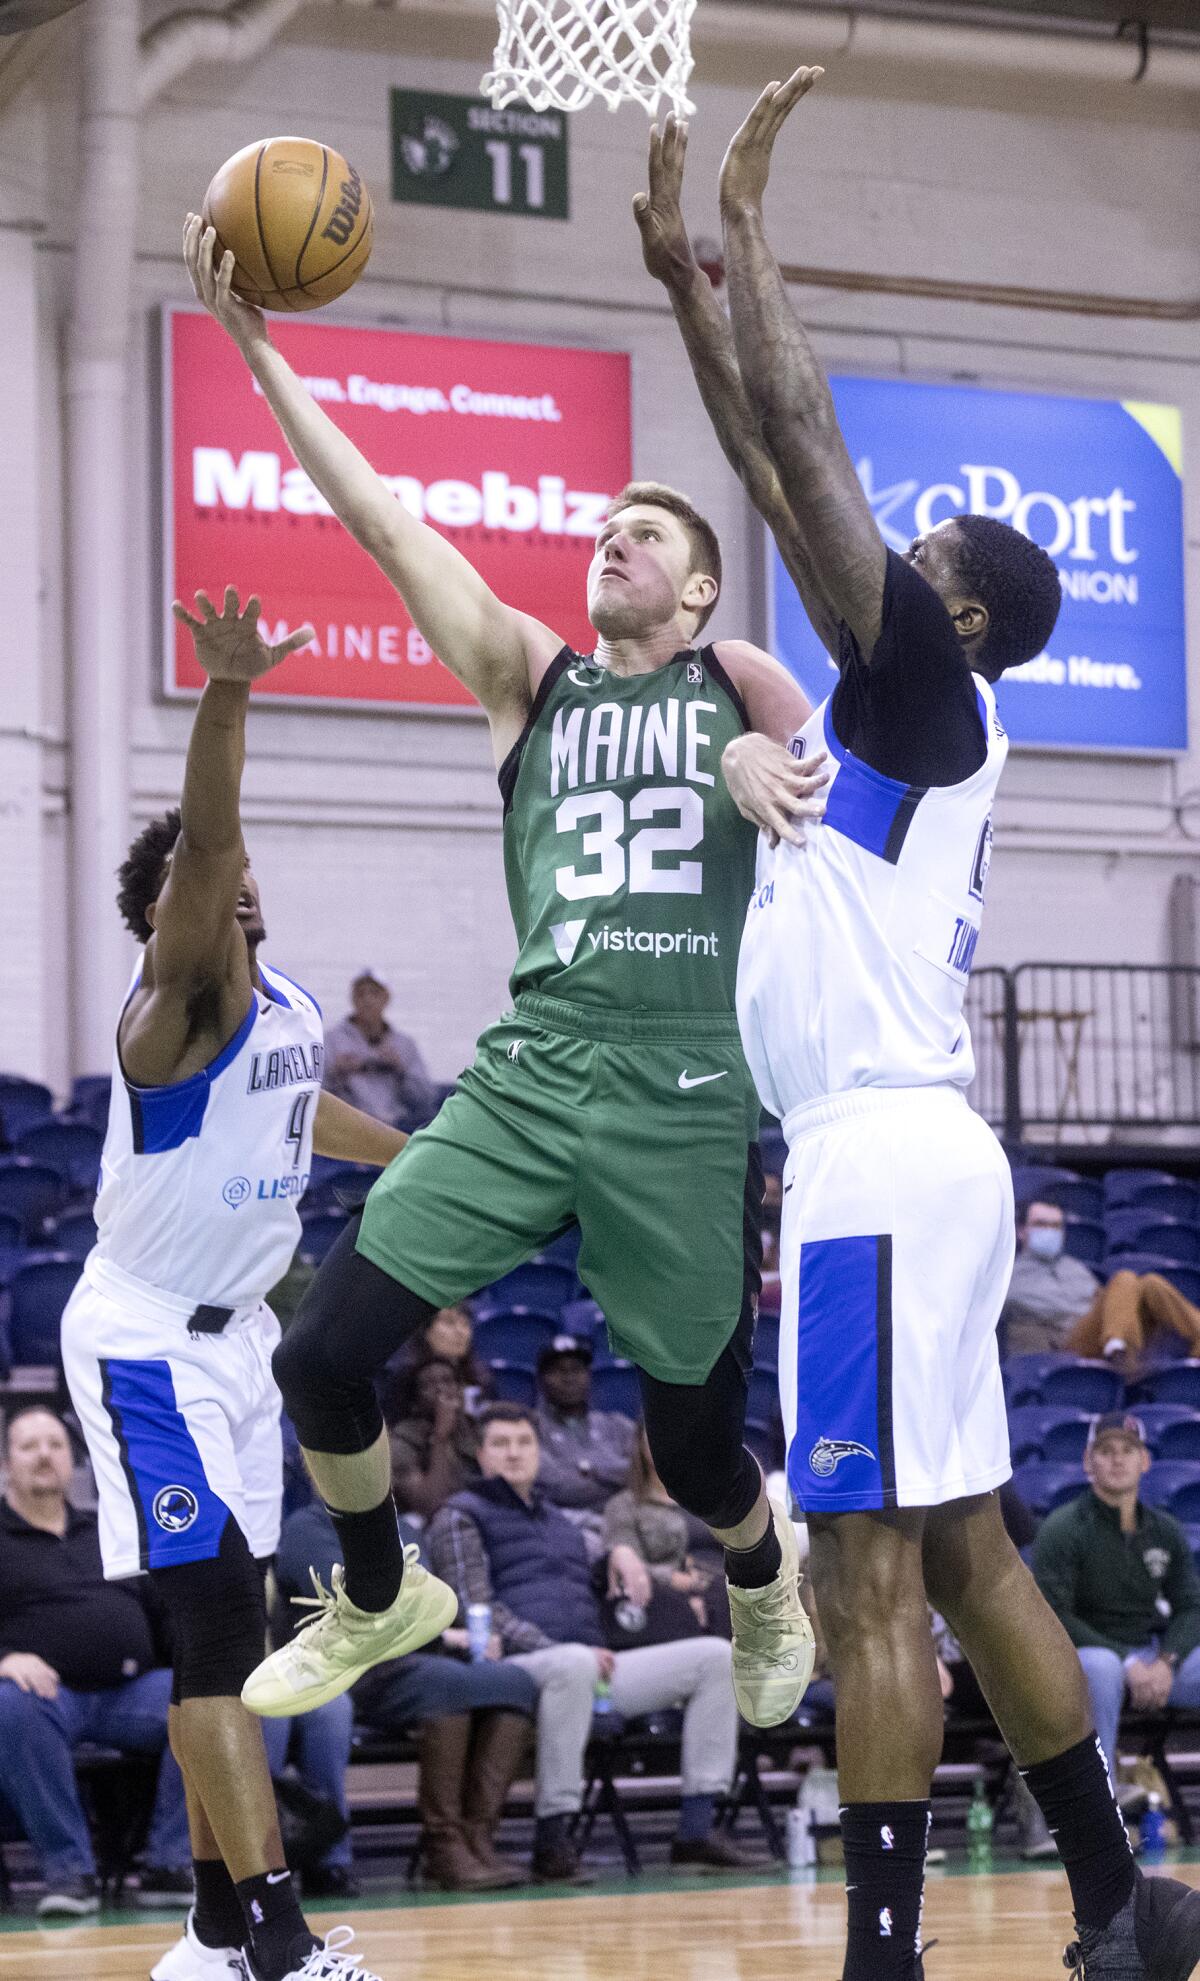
(341,221)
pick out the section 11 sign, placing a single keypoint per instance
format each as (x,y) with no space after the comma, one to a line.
(512,451)
(1098,483)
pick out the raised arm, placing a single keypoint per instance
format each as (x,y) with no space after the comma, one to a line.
(487,644)
(196,972)
(708,341)
(787,388)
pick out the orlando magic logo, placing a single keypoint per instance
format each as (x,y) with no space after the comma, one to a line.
(175,1509)
(828,1453)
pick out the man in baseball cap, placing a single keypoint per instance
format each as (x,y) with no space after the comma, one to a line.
(372,1065)
(585,1452)
(1121,1578)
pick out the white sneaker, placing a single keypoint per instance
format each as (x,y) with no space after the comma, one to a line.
(773,1646)
(330,1963)
(337,1645)
(190,1960)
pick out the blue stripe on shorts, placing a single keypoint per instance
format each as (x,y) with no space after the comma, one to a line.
(842,1458)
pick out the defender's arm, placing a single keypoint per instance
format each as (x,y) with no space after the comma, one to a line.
(348,1135)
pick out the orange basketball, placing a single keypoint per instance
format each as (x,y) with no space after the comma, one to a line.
(298,219)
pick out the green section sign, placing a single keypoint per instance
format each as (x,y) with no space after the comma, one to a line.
(461,151)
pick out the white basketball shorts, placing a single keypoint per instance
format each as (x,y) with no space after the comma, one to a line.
(182,1429)
(896,1253)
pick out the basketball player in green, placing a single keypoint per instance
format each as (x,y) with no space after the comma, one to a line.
(614,1094)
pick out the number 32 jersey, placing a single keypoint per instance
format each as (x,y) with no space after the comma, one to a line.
(201,1181)
(858,946)
(628,863)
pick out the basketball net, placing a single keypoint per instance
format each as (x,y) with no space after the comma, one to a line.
(561,53)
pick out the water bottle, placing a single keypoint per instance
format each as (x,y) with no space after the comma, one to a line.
(602,1700)
(1152,1832)
(979,1829)
(479,1631)
(801,1843)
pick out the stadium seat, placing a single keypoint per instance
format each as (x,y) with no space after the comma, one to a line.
(1044,1487)
(1133,1228)
(1177,1382)
(514,1383)
(538,1284)
(12,1244)
(319,1233)
(73,1233)
(1033,1181)
(91,1094)
(1023,1375)
(1087,1240)
(1157,1189)
(70,1146)
(617,1388)
(515,1336)
(39,1292)
(1185,1278)
(772,1146)
(1065,1436)
(1178,1442)
(1080,1197)
(31,1191)
(1082,1385)
(561,1251)
(22,1103)
(1163,1481)
(585,1318)
(327,1178)
(1157,1419)
(1026,1428)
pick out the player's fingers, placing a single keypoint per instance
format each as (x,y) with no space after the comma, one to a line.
(186,618)
(641,206)
(229,605)
(206,606)
(302,637)
(251,612)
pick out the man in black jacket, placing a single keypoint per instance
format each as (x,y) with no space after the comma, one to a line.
(78,1662)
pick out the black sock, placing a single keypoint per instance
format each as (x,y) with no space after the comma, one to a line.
(1075,1796)
(551,1832)
(753,1568)
(885,1845)
(278,1937)
(217,1920)
(372,1553)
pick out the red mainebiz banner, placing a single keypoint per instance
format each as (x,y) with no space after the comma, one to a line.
(511,450)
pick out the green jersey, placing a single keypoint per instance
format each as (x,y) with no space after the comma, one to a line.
(628,864)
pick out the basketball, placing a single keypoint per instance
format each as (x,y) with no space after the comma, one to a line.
(298,219)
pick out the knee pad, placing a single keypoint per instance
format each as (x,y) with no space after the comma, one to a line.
(218,1616)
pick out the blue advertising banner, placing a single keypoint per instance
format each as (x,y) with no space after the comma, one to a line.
(1099,483)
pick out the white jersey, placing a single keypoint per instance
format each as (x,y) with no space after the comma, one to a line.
(858,947)
(200,1181)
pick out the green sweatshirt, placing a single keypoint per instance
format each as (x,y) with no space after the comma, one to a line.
(1114,1590)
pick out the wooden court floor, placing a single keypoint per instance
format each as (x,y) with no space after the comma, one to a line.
(1002,1927)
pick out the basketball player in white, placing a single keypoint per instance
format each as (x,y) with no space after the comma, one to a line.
(897,1235)
(217,1107)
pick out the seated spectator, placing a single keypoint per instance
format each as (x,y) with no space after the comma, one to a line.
(1120,1576)
(1056,1303)
(372,1065)
(677,1548)
(447,1336)
(585,1453)
(503,1543)
(79,1661)
(433,1442)
(473,1724)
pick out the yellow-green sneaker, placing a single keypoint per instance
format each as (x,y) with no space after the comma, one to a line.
(337,1645)
(773,1647)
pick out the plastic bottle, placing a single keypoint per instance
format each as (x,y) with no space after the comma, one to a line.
(1152,1830)
(979,1829)
(801,1843)
(479,1630)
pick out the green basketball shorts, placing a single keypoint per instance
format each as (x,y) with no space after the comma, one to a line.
(639,1126)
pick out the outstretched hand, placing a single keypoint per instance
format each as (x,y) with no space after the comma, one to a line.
(776,791)
(213,284)
(747,164)
(666,249)
(229,646)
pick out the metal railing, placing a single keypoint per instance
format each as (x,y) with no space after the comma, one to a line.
(1069,1048)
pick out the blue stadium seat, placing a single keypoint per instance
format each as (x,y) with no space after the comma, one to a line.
(1043,1487)
(1152,1189)
(772,1146)
(69,1146)
(22,1103)
(514,1383)
(1032,1181)
(617,1388)
(36,1298)
(1026,1428)
(515,1336)
(1023,1375)
(561,1251)
(73,1233)
(1065,1436)
(1158,1419)
(1163,1481)
(318,1234)
(1132,1228)
(90,1097)
(1179,1441)
(1080,1197)
(585,1318)
(766,1342)
(327,1177)
(542,1286)
(32,1191)
(1185,1278)
(1177,1382)
(12,1232)
(1193,1534)
(1083,1385)
(1086,1240)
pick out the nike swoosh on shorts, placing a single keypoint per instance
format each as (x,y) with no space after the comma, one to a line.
(701,1079)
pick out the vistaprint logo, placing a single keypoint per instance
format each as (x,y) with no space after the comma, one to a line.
(655,943)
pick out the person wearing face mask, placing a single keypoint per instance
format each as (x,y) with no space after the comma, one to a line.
(1049,1290)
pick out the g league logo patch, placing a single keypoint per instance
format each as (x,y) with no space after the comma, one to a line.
(176,1508)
